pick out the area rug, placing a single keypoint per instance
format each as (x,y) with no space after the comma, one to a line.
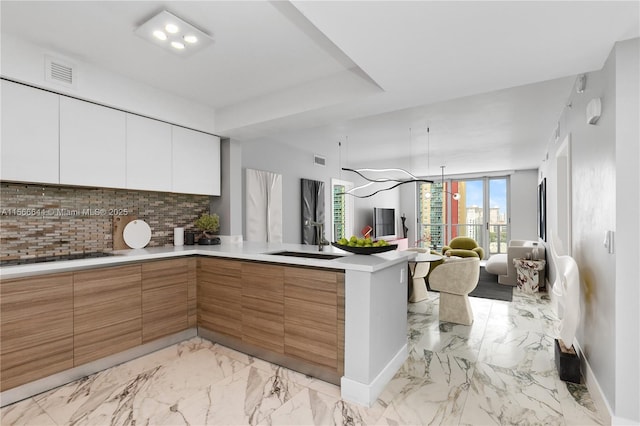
(488,288)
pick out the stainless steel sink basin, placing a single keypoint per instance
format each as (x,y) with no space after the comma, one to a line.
(311,255)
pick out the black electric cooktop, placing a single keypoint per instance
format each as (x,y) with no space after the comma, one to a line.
(75,256)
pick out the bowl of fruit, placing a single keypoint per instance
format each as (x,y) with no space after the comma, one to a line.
(363,245)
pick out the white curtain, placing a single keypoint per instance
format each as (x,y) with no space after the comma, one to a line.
(263,206)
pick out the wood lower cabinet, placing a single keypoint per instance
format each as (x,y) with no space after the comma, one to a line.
(165,298)
(263,305)
(314,316)
(220,296)
(36,332)
(288,315)
(192,292)
(107,316)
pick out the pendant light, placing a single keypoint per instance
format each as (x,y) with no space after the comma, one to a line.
(455,195)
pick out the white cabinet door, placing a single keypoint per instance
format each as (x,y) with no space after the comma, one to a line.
(148,154)
(196,162)
(92,145)
(29,134)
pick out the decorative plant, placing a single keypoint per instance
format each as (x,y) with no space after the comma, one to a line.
(208,223)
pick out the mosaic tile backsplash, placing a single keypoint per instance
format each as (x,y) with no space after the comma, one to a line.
(41,221)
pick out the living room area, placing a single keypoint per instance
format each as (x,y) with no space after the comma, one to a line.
(578,165)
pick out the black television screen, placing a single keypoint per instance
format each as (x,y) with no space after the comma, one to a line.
(384,223)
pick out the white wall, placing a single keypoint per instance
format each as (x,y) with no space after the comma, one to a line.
(229,204)
(627,298)
(293,164)
(605,196)
(25,62)
(523,205)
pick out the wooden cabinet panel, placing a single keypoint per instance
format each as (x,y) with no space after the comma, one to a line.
(263,305)
(36,331)
(312,316)
(164,298)
(192,292)
(220,296)
(29,149)
(107,315)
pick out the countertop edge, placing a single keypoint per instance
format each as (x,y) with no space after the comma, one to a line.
(254,252)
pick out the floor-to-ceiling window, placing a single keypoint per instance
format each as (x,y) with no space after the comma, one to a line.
(341,210)
(475,208)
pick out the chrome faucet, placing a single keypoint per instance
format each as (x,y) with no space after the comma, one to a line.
(319,233)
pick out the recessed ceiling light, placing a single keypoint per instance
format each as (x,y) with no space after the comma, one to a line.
(160,35)
(171,28)
(190,38)
(170,32)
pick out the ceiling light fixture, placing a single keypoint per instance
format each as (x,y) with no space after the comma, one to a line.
(160,35)
(190,39)
(174,34)
(370,180)
(398,177)
(171,28)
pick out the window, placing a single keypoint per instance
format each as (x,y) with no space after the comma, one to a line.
(341,210)
(480,212)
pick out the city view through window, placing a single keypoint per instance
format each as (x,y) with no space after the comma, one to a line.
(442,218)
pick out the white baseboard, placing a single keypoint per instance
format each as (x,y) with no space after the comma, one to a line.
(367,393)
(595,390)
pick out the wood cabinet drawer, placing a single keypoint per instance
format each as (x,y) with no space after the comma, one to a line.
(36,332)
(314,316)
(220,296)
(165,272)
(263,305)
(107,313)
(165,298)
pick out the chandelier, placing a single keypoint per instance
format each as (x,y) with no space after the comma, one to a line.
(394,182)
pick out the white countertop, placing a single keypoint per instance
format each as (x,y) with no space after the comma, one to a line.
(244,250)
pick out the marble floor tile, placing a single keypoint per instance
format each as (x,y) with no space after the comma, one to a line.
(26,412)
(499,370)
(577,406)
(499,395)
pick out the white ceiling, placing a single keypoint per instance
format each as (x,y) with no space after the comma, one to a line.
(488,78)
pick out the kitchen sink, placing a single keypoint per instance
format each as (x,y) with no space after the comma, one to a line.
(307,254)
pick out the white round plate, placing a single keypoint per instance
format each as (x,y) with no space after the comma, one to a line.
(137,234)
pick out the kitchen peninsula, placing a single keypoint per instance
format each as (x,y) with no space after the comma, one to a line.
(292,303)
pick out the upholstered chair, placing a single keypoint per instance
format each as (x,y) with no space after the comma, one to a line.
(455,279)
(463,247)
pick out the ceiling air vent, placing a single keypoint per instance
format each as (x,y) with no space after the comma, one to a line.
(319,160)
(60,71)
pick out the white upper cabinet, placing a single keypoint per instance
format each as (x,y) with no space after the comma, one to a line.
(92,145)
(148,154)
(29,134)
(196,162)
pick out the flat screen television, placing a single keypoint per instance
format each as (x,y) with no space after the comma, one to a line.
(384,223)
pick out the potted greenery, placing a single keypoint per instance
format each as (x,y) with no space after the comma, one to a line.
(208,224)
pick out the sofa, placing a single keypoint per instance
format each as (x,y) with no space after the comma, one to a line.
(502,264)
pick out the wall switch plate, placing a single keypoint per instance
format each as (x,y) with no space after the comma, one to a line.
(609,242)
